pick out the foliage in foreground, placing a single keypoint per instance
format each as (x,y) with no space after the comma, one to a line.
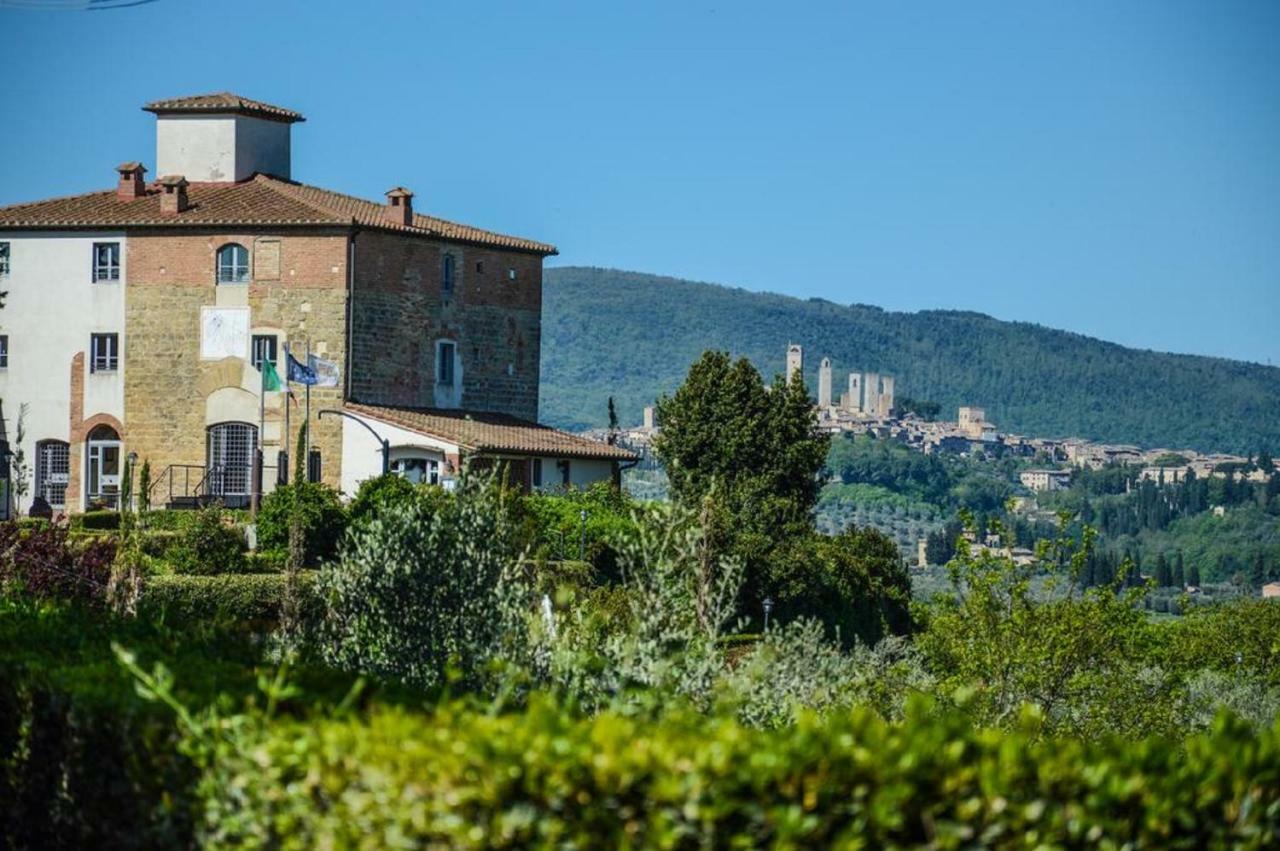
(544,777)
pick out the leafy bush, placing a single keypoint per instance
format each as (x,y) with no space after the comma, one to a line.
(239,600)
(208,545)
(462,778)
(323,520)
(420,588)
(556,529)
(378,493)
(96,520)
(45,564)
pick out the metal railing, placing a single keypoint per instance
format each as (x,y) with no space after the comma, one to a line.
(193,485)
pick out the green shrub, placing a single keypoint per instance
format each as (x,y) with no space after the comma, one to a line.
(243,600)
(462,778)
(420,588)
(96,520)
(323,520)
(378,493)
(554,526)
(208,545)
(271,561)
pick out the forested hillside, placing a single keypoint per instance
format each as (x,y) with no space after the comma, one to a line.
(634,335)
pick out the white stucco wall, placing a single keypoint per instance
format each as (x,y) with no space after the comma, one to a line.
(362,457)
(52,308)
(583,473)
(221,147)
(362,454)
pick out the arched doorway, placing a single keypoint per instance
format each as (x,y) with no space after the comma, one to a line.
(102,468)
(230,462)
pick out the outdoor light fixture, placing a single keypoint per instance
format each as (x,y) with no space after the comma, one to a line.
(768,607)
(582,540)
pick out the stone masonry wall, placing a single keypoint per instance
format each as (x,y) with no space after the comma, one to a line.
(399,312)
(298,291)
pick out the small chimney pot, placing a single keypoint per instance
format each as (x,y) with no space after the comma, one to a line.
(173,194)
(399,209)
(131,184)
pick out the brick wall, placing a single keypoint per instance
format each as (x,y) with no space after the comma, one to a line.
(399,312)
(167,385)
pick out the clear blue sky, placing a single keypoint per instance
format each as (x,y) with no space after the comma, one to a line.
(1112,168)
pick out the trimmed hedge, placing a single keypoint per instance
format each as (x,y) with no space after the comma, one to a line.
(96,520)
(464,778)
(247,599)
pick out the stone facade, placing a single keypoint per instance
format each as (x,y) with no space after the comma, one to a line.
(400,311)
(172,395)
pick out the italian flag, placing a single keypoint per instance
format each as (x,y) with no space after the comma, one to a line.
(270,378)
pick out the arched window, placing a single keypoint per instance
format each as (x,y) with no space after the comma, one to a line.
(233,264)
(448,270)
(102,468)
(53,464)
(230,464)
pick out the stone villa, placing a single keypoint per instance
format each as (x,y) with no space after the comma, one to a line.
(138,318)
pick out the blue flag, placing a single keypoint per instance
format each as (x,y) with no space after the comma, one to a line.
(300,373)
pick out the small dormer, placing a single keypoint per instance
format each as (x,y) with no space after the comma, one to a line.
(399,209)
(222,138)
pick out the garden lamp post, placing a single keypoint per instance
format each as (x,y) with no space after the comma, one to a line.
(582,537)
(131,464)
(768,607)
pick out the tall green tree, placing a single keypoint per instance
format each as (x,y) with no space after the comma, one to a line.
(756,449)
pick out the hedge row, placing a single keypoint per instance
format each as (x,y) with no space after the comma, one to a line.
(252,599)
(468,779)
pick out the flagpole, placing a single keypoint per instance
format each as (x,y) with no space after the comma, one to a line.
(307,457)
(288,394)
(256,471)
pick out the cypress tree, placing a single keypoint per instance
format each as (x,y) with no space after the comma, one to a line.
(1179,575)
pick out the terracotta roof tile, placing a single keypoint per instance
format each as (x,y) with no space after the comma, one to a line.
(260,201)
(224,102)
(486,433)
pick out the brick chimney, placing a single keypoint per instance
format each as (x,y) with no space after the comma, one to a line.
(399,209)
(173,194)
(131,185)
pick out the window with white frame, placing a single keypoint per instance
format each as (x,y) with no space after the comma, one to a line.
(233,264)
(264,348)
(106,261)
(4,259)
(4,351)
(417,469)
(448,271)
(104,352)
(53,463)
(444,363)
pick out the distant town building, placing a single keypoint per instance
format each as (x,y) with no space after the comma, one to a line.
(1045,480)
(1271,590)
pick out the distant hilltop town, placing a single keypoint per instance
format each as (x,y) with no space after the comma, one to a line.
(868,406)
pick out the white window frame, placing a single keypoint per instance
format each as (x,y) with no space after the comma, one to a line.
(446,375)
(50,485)
(104,352)
(229,271)
(430,468)
(106,270)
(4,351)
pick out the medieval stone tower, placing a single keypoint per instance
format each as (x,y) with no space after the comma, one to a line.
(795,361)
(824,384)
